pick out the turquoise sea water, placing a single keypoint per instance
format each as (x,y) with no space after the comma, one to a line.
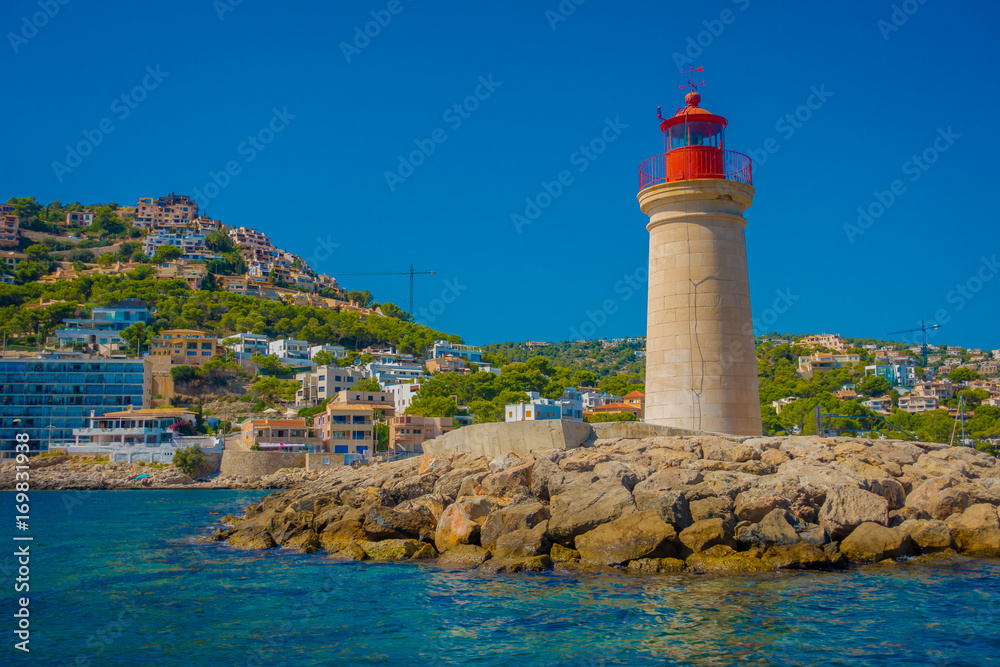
(119,578)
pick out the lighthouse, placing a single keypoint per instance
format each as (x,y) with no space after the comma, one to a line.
(701,367)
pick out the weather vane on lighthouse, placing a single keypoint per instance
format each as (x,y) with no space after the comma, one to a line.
(692,84)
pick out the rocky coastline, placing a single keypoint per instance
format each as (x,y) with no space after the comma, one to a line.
(658,504)
(82,473)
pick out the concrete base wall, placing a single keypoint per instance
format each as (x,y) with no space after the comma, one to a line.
(637,430)
(323,461)
(258,464)
(701,366)
(492,440)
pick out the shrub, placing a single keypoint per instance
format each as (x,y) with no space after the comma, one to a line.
(189,459)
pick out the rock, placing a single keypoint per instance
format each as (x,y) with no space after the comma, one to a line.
(930,535)
(938,498)
(561,554)
(722,558)
(723,449)
(524,542)
(306,542)
(656,565)
(513,517)
(505,461)
(455,528)
(801,556)
(337,535)
(437,466)
(618,471)
(707,533)
(815,535)
(349,551)
(535,564)
(583,507)
(432,502)
(846,508)
(465,555)
(286,525)
(672,506)
(754,504)
(328,515)
(508,482)
(252,539)
(897,517)
(778,527)
(774,457)
(398,550)
(366,497)
(471,485)
(450,482)
(719,483)
(633,536)
(871,542)
(229,520)
(976,530)
(711,508)
(541,472)
(409,488)
(383,523)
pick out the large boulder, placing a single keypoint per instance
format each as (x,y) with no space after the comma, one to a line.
(618,471)
(524,542)
(382,523)
(455,528)
(512,565)
(633,536)
(777,527)
(722,558)
(711,508)
(672,506)
(583,507)
(846,508)
(928,535)
(977,530)
(939,498)
(871,542)
(432,502)
(544,470)
(307,542)
(705,534)
(802,556)
(509,482)
(337,535)
(252,539)
(398,550)
(754,504)
(656,565)
(465,555)
(519,516)
(409,488)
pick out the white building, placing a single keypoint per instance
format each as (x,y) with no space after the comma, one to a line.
(249,344)
(290,351)
(595,399)
(387,374)
(191,243)
(571,403)
(337,351)
(443,348)
(151,435)
(403,394)
(326,381)
(536,410)
(898,374)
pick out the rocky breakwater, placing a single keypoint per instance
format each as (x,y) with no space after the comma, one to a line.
(659,504)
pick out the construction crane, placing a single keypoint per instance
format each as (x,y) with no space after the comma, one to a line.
(410,273)
(924,328)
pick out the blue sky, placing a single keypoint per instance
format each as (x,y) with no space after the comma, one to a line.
(332,113)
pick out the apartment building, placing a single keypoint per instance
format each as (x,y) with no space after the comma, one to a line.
(443,348)
(823,361)
(408,433)
(188,240)
(247,239)
(387,374)
(326,381)
(104,325)
(290,351)
(782,402)
(182,269)
(637,400)
(882,404)
(280,435)
(830,341)
(898,374)
(183,347)
(248,344)
(348,423)
(10,260)
(10,229)
(151,435)
(595,399)
(173,209)
(337,351)
(447,364)
(571,404)
(79,218)
(49,396)
(940,390)
(914,404)
(402,394)
(536,409)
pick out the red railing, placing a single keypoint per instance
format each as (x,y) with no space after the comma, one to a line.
(694,162)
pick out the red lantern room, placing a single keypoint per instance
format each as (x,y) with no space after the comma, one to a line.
(694,146)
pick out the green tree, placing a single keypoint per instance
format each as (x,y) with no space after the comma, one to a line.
(433,406)
(363,299)
(612,417)
(220,242)
(271,389)
(189,459)
(184,374)
(135,337)
(368,384)
(323,358)
(390,309)
(958,375)
(268,364)
(167,253)
(874,385)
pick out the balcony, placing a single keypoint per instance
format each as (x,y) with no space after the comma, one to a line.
(695,162)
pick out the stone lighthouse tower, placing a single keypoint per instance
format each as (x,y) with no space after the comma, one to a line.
(701,368)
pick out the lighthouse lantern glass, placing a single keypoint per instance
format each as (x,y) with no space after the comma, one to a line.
(697,133)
